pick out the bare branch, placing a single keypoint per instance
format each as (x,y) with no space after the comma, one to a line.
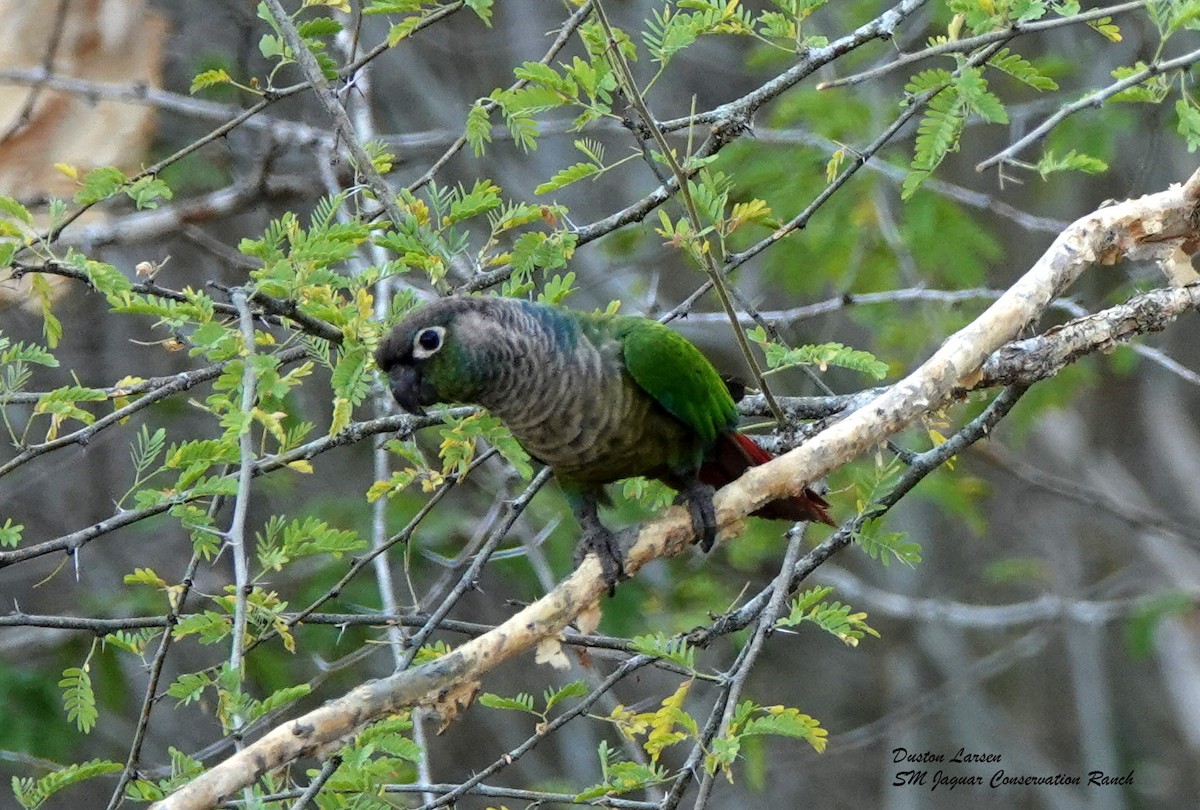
(1045,608)
(354,432)
(565,32)
(266,303)
(328,98)
(971,43)
(156,667)
(236,536)
(1023,362)
(169,386)
(913,107)
(812,59)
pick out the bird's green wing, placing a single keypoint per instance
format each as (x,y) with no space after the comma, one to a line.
(674,372)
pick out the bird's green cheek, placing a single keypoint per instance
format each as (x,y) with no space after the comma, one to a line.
(452,381)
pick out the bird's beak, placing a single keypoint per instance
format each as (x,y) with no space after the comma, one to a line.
(407,388)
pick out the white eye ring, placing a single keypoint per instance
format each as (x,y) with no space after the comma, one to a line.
(428,341)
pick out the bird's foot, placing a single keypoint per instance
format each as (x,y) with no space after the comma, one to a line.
(699,499)
(603,543)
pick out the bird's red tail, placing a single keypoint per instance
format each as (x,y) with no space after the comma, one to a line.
(737,453)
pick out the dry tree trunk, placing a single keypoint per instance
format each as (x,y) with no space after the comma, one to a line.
(97,40)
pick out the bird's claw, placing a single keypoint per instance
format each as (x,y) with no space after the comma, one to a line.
(699,499)
(603,543)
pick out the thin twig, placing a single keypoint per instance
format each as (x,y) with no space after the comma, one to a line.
(1152,519)
(737,677)
(536,798)
(709,259)
(314,787)
(402,536)
(971,43)
(177,599)
(716,713)
(268,304)
(53,233)
(914,106)
(1044,609)
(565,32)
(236,536)
(810,60)
(328,98)
(466,582)
(167,387)
(354,432)
(631,665)
(1095,99)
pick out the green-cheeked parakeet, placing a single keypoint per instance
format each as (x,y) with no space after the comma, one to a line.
(596,397)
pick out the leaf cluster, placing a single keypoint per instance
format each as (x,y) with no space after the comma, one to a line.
(832,617)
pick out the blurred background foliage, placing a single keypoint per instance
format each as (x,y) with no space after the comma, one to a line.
(1083,501)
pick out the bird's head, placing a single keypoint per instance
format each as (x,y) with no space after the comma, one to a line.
(436,353)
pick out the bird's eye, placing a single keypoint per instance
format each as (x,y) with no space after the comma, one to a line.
(428,341)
